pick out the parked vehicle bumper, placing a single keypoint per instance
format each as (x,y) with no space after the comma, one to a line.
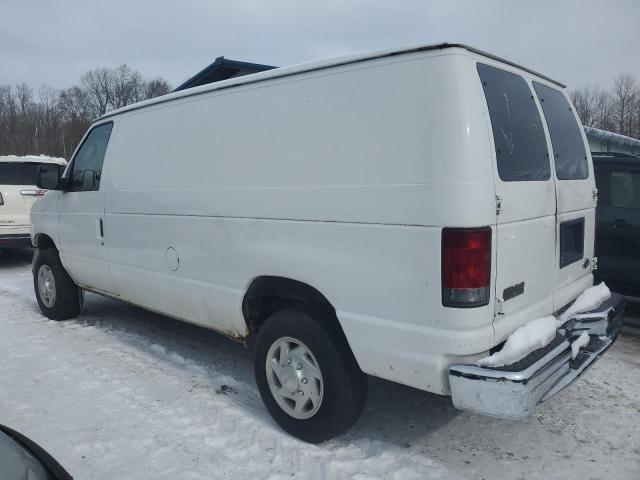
(514,391)
(15,240)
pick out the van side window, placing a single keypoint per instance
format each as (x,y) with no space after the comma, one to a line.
(566,135)
(87,164)
(518,135)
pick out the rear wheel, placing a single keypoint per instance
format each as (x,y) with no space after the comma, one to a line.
(58,296)
(307,376)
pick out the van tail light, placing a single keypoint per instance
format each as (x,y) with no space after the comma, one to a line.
(466,267)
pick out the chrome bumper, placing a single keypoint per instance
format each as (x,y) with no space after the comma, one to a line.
(514,391)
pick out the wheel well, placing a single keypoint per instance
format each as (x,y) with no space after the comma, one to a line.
(44,241)
(268,294)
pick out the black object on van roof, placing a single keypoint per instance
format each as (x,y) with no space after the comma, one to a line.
(222,69)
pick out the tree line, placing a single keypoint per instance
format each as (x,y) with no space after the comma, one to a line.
(616,109)
(52,122)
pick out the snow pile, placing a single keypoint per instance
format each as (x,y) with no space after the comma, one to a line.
(535,334)
(589,299)
(538,333)
(582,341)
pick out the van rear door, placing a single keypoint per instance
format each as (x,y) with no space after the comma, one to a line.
(525,201)
(575,192)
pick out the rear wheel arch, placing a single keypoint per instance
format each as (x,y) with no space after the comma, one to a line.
(43,241)
(268,294)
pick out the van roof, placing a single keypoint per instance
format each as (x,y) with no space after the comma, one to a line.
(313,66)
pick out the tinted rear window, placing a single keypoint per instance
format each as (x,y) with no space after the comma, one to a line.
(566,135)
(521,147)
(571,241)
(624,188)
(18,173)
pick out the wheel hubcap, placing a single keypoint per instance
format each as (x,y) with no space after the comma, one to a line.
(294,378)
(47,286)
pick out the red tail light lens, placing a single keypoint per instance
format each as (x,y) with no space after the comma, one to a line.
(466,266)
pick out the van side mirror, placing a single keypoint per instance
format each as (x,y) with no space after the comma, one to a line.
(50,177)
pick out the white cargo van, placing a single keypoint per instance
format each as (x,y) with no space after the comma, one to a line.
(18,191)
(397,214)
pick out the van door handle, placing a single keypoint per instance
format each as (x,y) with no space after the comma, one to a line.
(619,223)
(100,231)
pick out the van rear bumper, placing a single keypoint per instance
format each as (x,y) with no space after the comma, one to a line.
(514,391)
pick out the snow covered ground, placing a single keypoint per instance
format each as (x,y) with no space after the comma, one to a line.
(125,394)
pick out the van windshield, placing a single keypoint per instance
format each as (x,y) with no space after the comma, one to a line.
(518,135)
(566,135)
(18,173)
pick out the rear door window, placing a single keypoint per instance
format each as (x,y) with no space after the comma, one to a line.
(521,147)
(18,173)
(566,135)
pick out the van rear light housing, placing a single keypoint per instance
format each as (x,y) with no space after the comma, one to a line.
(466,267)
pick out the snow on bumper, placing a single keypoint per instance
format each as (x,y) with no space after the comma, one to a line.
(514,391)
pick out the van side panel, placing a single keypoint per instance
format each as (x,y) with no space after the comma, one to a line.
(341,178)
(396,133)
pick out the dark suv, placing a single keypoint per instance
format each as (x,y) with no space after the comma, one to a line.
(618,221)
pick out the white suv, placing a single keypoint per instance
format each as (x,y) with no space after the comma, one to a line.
(18,191)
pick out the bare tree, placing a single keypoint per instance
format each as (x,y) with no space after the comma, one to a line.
(8,117)
(76,112)
(156,87)
(48,121)
(128,86)
(24,98)
(54,122)
(593,105)
(98,84)
(626,96)
(23,123)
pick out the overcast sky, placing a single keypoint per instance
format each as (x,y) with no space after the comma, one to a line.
(54,42)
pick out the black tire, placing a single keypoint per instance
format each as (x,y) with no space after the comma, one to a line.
(67,301)
(345,386)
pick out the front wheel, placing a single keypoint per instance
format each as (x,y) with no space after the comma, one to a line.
(307,376)
(58,296)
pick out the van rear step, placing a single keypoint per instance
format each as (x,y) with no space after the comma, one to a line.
(514,391)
